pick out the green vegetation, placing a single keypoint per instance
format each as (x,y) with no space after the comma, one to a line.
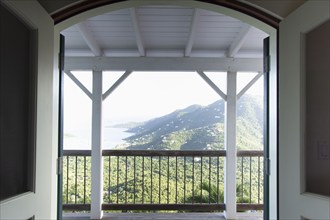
(200,128)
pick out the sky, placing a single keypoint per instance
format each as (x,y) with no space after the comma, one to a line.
(145,95)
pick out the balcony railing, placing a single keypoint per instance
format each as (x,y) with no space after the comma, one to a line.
(162,180)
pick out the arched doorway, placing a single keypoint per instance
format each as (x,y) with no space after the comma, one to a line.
(96,9)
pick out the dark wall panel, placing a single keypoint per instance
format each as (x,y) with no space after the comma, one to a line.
(317,161)
(16,106)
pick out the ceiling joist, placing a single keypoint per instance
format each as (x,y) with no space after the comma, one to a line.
(137,30)
(239,41)
(89,39)
(193,27)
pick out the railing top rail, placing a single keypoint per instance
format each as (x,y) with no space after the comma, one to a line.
(252,153)
(77,152)
(179,153)
(160,153)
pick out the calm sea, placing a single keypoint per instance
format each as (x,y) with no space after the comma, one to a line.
(80,138)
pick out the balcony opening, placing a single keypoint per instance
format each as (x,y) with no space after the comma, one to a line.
(149,127)
(163,112)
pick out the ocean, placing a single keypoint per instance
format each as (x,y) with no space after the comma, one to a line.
(79,138)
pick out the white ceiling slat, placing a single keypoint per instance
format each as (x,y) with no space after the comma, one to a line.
(239,40)
(217,18)
(138,36)
(100,29)
(167,34)
(183,24)
(193,28)
(109,24)
(88,37)
(121,53)
(163,18)
(165,11)
(183,29)
(211,29)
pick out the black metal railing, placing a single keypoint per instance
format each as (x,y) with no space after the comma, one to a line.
(249,176)
(162,180)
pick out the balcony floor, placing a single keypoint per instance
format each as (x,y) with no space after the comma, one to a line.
(164,216)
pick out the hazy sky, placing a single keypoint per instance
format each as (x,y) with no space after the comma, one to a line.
(144,95)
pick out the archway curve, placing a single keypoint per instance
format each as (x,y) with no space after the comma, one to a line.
(82,11)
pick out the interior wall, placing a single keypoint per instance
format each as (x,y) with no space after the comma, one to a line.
(317,127)
(43,203)
(293,202)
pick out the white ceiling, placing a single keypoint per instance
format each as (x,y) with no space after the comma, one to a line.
(164,31)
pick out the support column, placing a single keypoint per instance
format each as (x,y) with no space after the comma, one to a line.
(97,161)
(230,143)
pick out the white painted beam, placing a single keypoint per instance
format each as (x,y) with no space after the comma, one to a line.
(239,41)
(213,86)
(249,85)
(164,64)
(230,144)
(97,160)
(79,84)
(163,53)
(137,30)
(193,28)
(116,84)
(89,39)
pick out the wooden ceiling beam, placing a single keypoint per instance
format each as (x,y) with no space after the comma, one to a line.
(138,35)
(193,27)
(238,41)
(89,39)
(185,64)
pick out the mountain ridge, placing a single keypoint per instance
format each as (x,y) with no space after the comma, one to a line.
(199,128)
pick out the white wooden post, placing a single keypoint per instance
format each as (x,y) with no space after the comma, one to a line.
(97,162)
(230,143)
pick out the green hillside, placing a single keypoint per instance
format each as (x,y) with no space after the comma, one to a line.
(200,128)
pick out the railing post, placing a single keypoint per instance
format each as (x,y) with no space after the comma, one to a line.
(230,143)
(97,162)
